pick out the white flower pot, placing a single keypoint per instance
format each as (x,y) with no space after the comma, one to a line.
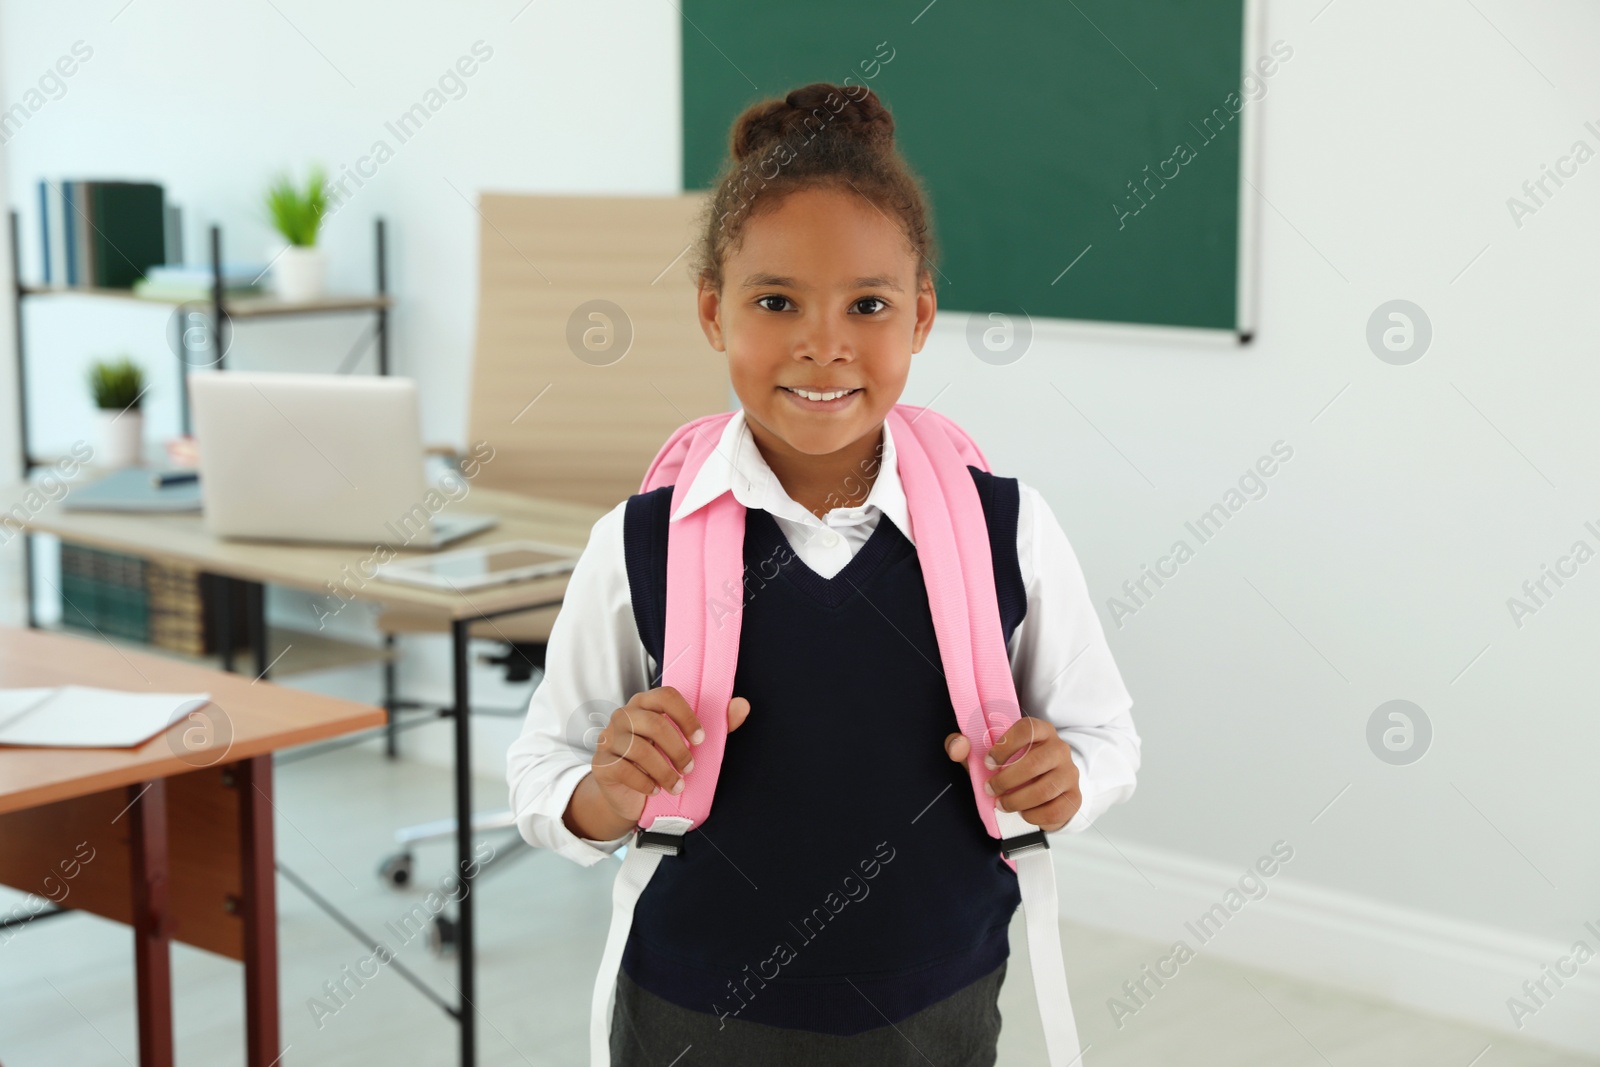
(299,273)
(121,439)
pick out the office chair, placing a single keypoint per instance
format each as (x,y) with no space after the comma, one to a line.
(588,354)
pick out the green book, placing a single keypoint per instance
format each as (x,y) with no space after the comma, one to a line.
(129,235)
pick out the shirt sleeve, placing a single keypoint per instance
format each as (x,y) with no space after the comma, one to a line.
(594,664)
(1063,667)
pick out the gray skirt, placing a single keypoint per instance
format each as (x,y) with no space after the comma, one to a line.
(960,1031)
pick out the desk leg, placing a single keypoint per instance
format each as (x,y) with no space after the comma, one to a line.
(460,634)
(152,959)
(27,580)
(222,606)
(391,733)
(255,599)
(253,778)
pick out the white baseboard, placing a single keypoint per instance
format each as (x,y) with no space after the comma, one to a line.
(1458,970)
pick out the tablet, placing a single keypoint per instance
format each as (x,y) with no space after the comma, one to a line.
(476,567)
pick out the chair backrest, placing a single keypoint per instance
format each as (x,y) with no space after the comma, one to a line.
(588,352)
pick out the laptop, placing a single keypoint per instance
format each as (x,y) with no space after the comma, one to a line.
(329,458)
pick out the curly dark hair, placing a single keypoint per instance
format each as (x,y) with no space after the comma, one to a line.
(818,136)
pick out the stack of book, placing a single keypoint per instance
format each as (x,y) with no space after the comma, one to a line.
(179,603)
(104,592)
(104,234)
(194,283)
(117,595)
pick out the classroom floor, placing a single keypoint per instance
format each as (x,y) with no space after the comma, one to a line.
(66,992)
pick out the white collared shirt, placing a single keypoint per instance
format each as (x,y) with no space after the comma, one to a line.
(737,464)
(595,662)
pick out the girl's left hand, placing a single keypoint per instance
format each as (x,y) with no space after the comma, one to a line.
(1037,777)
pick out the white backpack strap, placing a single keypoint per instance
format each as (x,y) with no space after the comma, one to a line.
(643,856)
(1029,848)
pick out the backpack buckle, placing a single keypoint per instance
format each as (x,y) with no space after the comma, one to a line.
(656,841)
(1022,843)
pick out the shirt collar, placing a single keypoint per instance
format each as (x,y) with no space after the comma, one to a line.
(736,465)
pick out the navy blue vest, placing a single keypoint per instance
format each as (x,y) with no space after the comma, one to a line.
(843,879)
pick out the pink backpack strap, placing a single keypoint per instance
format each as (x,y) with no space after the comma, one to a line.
(967,450)
(700,651)
(953,547)
(696,438)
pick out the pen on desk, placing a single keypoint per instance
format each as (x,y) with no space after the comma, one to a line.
(166,478)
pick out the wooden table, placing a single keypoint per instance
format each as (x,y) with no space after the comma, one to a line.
(183,540)
(173,838)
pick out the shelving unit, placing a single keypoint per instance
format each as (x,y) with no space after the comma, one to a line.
(243,308)
(220,312)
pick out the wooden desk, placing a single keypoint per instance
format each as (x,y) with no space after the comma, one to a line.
(182,539)
(174,837)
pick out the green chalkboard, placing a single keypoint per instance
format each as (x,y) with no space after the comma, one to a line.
(1047,133)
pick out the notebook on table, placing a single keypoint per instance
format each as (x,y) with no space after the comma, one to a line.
(82,716)
(133,489)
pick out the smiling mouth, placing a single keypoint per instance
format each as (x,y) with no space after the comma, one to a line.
(817,396)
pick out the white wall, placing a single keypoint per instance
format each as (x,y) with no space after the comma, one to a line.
(212,101)
(1418,499)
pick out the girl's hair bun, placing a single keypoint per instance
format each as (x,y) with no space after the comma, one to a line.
(817,109)
(820,136)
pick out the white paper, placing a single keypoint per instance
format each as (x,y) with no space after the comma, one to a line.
(81,716)
(13,702)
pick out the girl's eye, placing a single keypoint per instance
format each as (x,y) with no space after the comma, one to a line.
(871,300)
(761,301)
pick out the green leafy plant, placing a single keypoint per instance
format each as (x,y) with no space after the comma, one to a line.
(117,384)
(297,212)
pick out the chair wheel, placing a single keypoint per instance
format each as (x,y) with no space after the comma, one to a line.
(442,936)
(396,870)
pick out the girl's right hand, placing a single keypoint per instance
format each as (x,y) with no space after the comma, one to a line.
(642,749)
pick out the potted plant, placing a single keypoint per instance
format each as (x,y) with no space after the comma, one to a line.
(299,270)
(117,386)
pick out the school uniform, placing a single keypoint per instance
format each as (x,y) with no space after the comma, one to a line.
(842,902)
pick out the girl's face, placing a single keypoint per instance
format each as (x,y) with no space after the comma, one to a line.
(823,294)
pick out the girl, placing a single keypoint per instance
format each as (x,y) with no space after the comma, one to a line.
(843,829)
